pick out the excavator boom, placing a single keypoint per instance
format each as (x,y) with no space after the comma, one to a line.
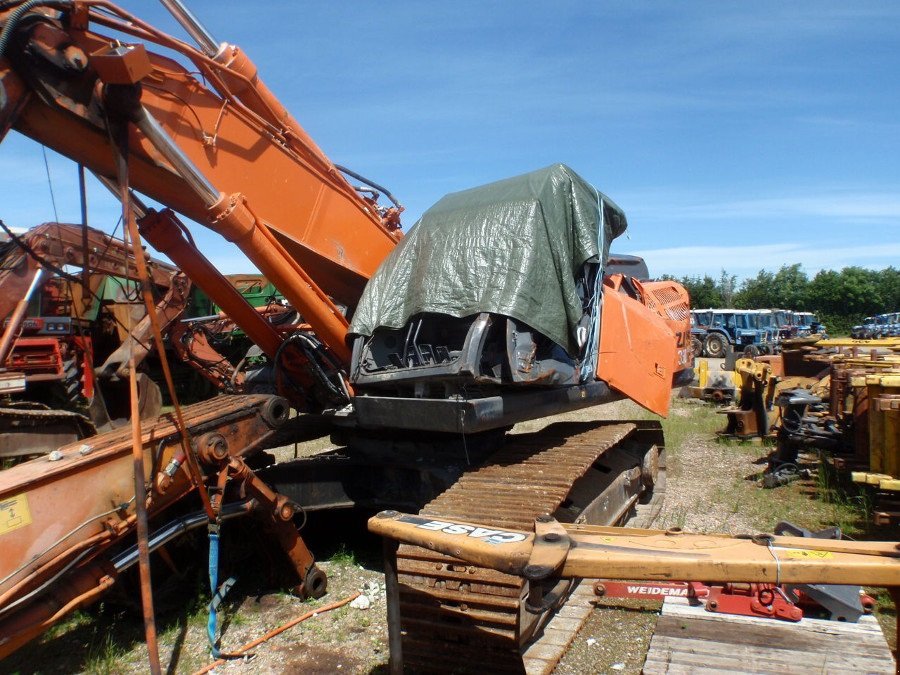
(221,151)
(585,551)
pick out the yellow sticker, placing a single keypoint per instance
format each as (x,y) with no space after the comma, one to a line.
(14,513)
(807,555)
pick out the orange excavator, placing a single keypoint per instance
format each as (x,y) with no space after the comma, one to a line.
(420,351)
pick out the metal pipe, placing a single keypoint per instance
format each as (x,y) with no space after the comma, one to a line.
(138,207)
(15,320)
(202,319)
(238,224)
(85,252)
(176,528)
(161,230)
(192,25)
(392,598)
(176,157)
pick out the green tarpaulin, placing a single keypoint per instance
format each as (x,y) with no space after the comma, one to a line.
(512,247)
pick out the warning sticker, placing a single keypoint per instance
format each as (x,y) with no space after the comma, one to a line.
(808,555)
(14,513)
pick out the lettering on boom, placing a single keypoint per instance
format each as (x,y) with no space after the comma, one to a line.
(655,590)
(488,535)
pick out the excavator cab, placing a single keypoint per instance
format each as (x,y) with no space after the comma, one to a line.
(490,310)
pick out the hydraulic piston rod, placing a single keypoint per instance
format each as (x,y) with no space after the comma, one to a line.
(192,25)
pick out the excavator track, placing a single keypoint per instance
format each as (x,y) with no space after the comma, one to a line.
(35,430)
(457,617)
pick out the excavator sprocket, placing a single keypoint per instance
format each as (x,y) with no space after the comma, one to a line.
(458,617)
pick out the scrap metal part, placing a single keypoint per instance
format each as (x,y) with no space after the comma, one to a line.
(28,431)
(66,516)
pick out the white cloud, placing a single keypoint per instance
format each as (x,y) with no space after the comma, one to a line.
(747,260)
(848,206)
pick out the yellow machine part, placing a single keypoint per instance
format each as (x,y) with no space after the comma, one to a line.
(884,423)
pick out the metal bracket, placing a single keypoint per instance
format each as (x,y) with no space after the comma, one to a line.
(551,546)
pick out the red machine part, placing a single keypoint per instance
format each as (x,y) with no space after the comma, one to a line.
(765,600)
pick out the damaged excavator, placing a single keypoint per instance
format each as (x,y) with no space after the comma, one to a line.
(66,336)
(495,308)
(419,394)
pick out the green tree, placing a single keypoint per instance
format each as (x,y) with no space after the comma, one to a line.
(703,291)
(825,292)
(727,287)
(789,288)
(756,293)
(889,288)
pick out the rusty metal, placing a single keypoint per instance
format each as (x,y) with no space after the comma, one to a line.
(122,172)
(277,514)
(191,344)
(757,392)
(59,525)
(29,431)
(473,616)
(166,233)
(61,244)
(166,311)
(15,319)
(140,508)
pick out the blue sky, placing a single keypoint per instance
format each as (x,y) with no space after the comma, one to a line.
(734,135)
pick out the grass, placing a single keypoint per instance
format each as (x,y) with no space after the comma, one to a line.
(104,658)
(686,420)
(813,503)
(344,557)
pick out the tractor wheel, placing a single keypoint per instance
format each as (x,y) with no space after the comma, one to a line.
(714,346)
(751,351)
(696,347)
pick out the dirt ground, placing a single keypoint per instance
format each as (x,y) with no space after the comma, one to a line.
(711,487)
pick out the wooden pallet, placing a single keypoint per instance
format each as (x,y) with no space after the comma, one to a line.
(689,639)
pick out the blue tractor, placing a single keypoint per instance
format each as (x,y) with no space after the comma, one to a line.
(722,329)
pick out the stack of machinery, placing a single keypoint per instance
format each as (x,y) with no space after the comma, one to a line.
(851,411)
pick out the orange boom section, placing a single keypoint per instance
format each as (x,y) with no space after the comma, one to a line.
(253,174)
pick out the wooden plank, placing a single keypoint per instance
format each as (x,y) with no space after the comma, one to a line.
(717,663)
(556,636)
(541,655)
(574,611)
(867,625)
(564,623)
(688,639)
(775,635)
(664,668)
(689,650)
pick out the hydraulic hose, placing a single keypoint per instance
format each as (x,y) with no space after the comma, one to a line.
(20,11)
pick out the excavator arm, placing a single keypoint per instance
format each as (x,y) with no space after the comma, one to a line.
(204,136)
(584,551)
(53,246)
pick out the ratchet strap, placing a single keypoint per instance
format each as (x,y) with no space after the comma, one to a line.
(218,594)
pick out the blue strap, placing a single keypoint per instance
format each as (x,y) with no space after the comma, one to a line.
(218,592)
